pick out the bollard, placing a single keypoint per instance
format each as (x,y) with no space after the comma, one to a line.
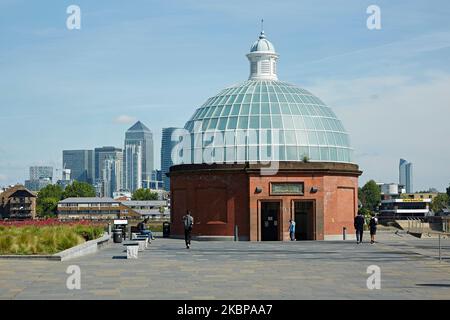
(439,247)
(109,228)
(236,234)
(344,233)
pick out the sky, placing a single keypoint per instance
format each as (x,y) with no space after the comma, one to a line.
(157,61)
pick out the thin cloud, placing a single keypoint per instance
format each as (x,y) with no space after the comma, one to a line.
(124,119)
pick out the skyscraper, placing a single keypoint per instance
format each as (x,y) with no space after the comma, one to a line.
(406,175)
(101,155)
(80,163)
(133,167)
(139,135)
(41,172)
(166,154)
(111,177)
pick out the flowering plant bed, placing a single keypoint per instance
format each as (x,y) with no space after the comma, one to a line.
(44,237)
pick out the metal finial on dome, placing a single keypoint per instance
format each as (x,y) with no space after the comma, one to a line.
(262,35)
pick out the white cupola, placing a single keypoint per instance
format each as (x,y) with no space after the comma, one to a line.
(263,60)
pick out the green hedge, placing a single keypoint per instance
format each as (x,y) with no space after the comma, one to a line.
(45,240)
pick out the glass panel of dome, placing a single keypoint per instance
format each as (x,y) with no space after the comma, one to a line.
(218,139)
(282,153)
(203,112)
(324,153)
(319,124)
(243,122)
(314,153)
(256,98)
(276,122)
(210,112)
(222,124)
(309,123)
(254,122)
(281,97)
(255,108)
(235,109)
(247,98)
(232,123)
(231,99)
(330,138)
(284,107)
(291,153)
(239,98)
(298,122)
(327,124)
(280,139)
(333,153)
(288,123)
(264,97)
(265,108)
(322,138)
(273,97)
(290,98)
(205,124)
(290,137)
(265,137)
(275,108)
(226,111)
(312,138)
(241,154)
(217,111)
(212,123)
(303,152)
(245,109)
(340,156)
(296,109)
(311,110)
(265,122)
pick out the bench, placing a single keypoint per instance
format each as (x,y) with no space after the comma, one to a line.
(132,249)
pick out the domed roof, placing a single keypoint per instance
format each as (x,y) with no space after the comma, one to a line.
(262,44)
(263,119)
(306,126)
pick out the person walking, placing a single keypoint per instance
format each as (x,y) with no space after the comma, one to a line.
(373,228)
(292,230)
(359,227)
(188,222)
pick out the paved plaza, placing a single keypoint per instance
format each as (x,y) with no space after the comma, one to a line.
(241,270)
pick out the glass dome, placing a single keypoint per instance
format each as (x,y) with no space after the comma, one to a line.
(266,119)
(307,127)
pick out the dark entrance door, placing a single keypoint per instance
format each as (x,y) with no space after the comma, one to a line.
(304,220)
(270,212)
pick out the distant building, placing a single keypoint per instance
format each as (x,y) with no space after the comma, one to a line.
(108,169)
(41,172)
(156,210)
(80,163)
(66,180)
(17,203)
(406,175)
(404,208)
(37,185)
(133,167)
(40,177)
(155,182)
(166,154)
(138,135)
(122,195)
(92,209)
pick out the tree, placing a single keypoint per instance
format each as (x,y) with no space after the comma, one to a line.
(144,194)
(439,202)
(47,200)
(448,194)
(371,194)
(78,190)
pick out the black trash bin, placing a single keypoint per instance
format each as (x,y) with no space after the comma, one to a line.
(166,229)
(117,235)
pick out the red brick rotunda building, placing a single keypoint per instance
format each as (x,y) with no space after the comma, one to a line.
(260,153)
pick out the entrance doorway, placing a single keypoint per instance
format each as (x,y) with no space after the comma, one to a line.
(270,213)
(304,220)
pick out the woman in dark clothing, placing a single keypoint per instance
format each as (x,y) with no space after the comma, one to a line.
(373,228)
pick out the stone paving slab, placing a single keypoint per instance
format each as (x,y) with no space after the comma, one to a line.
(239,270)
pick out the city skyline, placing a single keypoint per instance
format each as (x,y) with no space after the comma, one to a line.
(380,83)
